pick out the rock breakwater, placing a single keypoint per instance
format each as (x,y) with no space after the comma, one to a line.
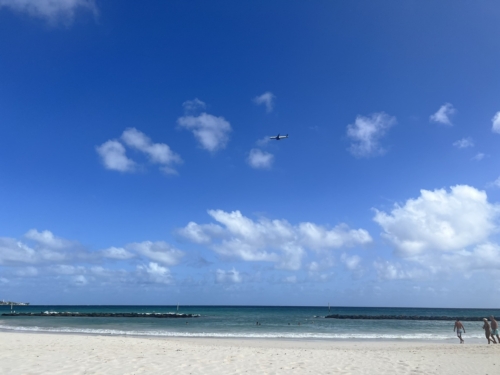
(405,317)
(105,315)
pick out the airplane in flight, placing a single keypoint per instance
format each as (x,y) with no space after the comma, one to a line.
(278,137)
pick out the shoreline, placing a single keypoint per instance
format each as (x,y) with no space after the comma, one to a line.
(42,353)
(319,341)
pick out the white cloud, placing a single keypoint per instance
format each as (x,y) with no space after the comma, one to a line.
(327,261)
(67,262)
(463,260)
(113,152)
(113,157)
(3,280)
(482,257)
(159,251)
(211,132)
(193,106)
(100,271)
(263,141)
(156,273)
(117,253)
(158,153)
(201,234)
(66,269)
(313,267)
(495,184)
(52,249)
(443,114)
(260,159)
(464,143)
(62,257)
(266,99)
(27,272)
(46,238)
(231,276)
(440,221)
(80,280)
(351,262)
(290,279)
(366,133)
(13,251)
(495,128)
(485,256)
(394,271)
(276,241)
(479,156)
(47,248)
(51,10)
(320,238)
(115,276)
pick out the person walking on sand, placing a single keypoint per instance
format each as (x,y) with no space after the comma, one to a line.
(487,331)
(494,328)
(459,327)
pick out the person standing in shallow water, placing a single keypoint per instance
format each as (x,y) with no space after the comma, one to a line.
(459,327)
(494,328)
(487,331)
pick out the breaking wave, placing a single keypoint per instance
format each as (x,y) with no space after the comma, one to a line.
(250,335)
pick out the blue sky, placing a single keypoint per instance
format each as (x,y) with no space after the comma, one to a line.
(136,165)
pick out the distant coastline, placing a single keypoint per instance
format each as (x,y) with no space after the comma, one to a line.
(3,302)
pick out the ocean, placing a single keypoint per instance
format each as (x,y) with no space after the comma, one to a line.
(284,322)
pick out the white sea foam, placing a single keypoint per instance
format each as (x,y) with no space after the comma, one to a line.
(313,336)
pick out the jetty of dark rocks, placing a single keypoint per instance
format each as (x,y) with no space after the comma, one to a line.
(405,317)
(105,315)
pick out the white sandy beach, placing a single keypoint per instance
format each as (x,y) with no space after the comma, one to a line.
(28,353)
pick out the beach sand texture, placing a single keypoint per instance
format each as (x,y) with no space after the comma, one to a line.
(27,353)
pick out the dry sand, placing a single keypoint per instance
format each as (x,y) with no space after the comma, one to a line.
(31,353)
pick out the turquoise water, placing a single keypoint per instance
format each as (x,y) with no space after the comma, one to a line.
(240,322)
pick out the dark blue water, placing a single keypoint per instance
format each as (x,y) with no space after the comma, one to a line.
(240,322)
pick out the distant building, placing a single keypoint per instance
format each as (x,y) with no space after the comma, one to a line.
(4,302)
